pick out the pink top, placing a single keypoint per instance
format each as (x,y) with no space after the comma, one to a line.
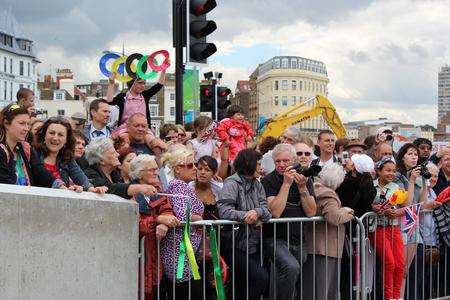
(133,104)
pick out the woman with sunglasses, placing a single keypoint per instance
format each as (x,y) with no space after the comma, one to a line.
(182,166)
(304,154)
(19,164)
(55,145)
(169,133)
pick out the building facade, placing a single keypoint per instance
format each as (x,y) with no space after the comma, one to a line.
(443,92)
(17,60)
(286,81)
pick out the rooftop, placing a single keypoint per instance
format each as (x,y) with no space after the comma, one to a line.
(293,62)
(12,38)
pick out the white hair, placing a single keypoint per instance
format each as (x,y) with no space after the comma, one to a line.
(137,165)
(280,148)
(96,148)
(431,165)
(295,132)
(332,175)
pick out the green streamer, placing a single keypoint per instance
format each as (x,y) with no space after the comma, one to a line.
(220,291)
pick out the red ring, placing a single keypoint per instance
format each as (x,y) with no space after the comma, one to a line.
(165,64)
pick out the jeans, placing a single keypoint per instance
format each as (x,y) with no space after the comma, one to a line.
(258,277)
(286,267)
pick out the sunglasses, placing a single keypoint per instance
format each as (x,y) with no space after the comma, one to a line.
(301,153)
(14,107)
(170,138)
(187,166)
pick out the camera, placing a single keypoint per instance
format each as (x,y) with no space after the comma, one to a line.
(308,172)
(423,171)
(389,137)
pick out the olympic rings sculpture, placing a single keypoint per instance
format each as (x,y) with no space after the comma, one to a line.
(127,69)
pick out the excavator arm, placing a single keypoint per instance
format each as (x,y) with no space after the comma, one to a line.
(301,112)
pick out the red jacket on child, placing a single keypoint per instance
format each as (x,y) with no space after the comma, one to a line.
(236,133)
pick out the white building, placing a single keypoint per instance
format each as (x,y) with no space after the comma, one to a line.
(17,60)
(169,104)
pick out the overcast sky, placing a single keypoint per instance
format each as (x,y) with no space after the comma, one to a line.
(382,56)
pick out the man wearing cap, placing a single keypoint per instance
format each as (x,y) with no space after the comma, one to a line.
(77,121)
(355,146)
(99,111)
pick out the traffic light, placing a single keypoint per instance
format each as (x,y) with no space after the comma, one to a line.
(207,99)
(222,102)
(197,29)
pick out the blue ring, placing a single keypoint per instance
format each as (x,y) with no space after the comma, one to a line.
(104,59)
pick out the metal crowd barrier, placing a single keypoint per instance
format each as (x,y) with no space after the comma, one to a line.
(266,257)
(425,274)
(361,270)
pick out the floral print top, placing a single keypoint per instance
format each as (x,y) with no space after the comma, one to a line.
(170,245)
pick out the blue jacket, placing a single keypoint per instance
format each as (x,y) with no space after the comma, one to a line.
(71,172)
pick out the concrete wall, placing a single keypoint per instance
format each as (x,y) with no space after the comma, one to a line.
(57,244)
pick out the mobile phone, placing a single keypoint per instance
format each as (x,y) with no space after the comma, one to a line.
(344,157)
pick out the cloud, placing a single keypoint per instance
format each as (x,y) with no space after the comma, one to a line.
(382,56)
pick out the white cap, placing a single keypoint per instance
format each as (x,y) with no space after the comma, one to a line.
(363,163)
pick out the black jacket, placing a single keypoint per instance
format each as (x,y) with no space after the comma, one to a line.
(119,100)
(356,195)
(37,174)
(117,187)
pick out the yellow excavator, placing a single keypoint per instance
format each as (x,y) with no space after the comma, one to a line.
(302,112)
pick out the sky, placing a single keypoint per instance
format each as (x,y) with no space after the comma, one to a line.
(382,57)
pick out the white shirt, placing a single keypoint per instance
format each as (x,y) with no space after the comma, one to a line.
(105,131)
(325,163)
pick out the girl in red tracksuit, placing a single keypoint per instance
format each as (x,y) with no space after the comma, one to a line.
(235,130)
(387,238)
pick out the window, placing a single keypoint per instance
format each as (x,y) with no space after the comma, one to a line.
(10,66)
(10,91)
(276,85)
(276,64)
(4,64)
(172,96)
(284,101)
(294,100)
(172,111)
(153,110)
(28,69)
(20,86)
(4,91)
(61,112)
(21,68)
(34,70)
(294,63)
(284,84)
(284,63)
(58,96)
(275,100)
(294,85)
(300,83)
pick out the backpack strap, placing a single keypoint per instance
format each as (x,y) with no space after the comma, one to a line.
(26,149)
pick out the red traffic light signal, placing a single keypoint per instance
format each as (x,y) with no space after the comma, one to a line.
(198,49)
(223,91)
(207,91)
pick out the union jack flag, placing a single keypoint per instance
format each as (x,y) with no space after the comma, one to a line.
(411,218)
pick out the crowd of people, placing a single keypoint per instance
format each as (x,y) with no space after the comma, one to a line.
(221,171)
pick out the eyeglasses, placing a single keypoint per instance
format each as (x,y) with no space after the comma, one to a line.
(301,153)
(424,147)
(182,135)
(187,166)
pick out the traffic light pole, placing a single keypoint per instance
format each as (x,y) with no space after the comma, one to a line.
(179,67)
(216,117)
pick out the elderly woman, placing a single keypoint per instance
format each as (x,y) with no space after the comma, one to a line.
(206,187)
(243,199)
(155,217)
(304,153)
(324,254)
(182,167)
(103,163)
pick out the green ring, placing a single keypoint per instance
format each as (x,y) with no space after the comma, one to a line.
(141,74)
